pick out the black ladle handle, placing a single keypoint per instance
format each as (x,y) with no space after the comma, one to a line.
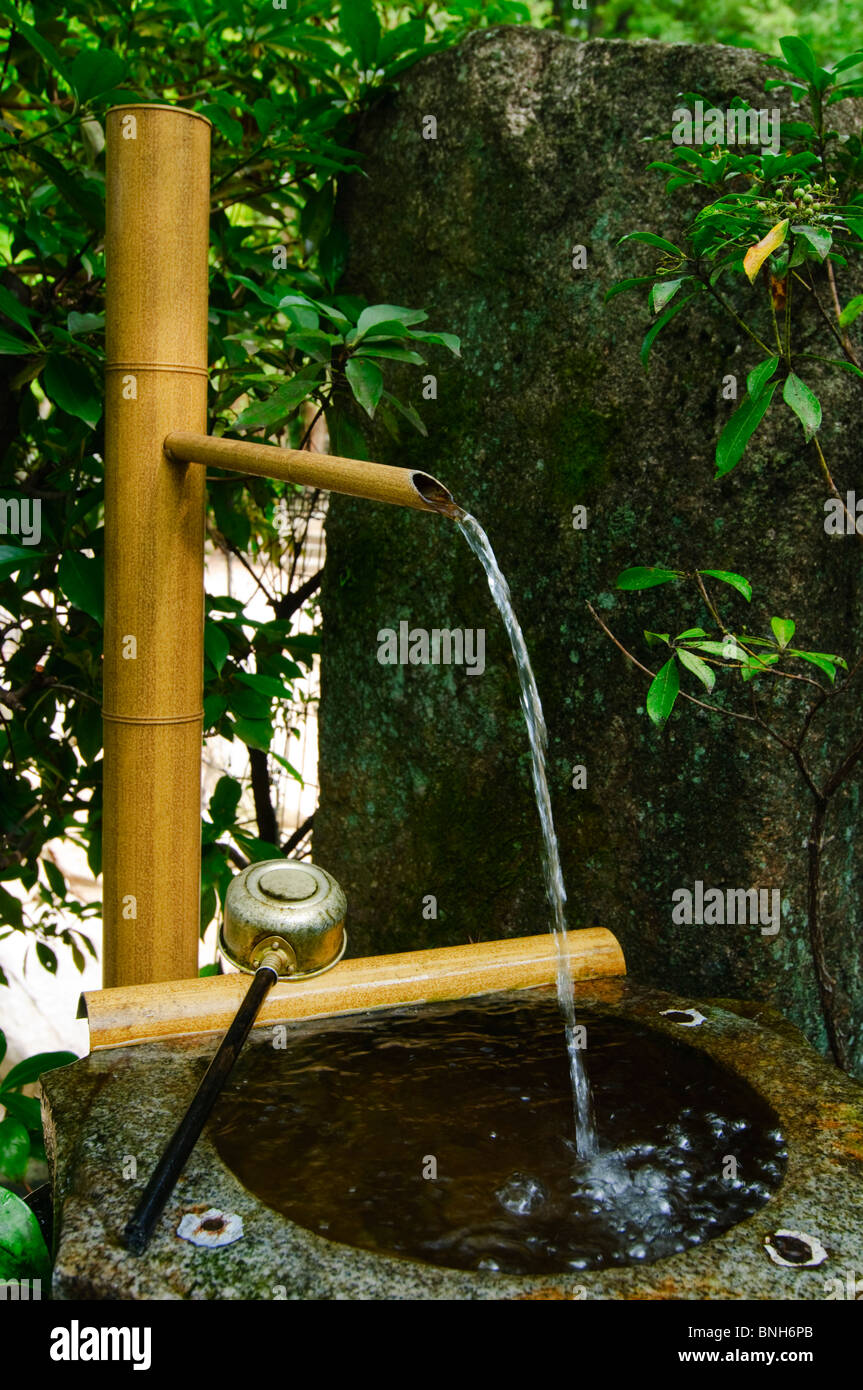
(136,1234)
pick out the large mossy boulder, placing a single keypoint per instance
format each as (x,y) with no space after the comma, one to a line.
(427,814)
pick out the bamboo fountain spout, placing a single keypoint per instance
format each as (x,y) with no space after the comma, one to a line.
(156,451)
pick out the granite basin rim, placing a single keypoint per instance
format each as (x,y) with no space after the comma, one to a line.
(124,1102)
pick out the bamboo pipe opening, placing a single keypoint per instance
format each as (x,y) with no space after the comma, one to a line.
(377,482)
(439,498)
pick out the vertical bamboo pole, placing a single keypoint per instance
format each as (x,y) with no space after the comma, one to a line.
(157,190)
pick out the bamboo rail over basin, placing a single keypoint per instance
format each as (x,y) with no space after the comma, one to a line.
(149,1013)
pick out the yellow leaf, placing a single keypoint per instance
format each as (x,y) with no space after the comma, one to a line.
(757,254)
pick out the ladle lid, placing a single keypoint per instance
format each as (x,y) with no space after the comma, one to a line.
(289,906)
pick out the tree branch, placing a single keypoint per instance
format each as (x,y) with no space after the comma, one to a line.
(714,709)
(299,834)
(265,813)
(287,606)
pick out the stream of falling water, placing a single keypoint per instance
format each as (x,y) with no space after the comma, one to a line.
(585,1129)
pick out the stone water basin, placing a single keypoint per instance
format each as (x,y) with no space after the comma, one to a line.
(424,1155)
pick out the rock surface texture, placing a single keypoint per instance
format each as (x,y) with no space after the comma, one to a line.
(426,801)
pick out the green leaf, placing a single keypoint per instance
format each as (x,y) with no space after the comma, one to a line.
(13,309)
(690,633)
(800,59)
(266,113)
(819,238)
(256,733)
(451,341)
(826,666)
(760,375)
(265,685)
(317,215)
(360,28)
(15,557)
(799,130)
(844,90)
(804,403)
(663,692)
(852,310)
(758,665)
(366,381)
(94,71)
(656,639)
(313,342)
(822,660)
(224,122)
(33,1067)
(663,292)
(11,911)
(650,239)
(825,656)
(783,630)
(81,193)
(735,580)
(84,323)
(273,412)
(11,347)
(46,957)
(224,802)
(410,414)
(377,314)
(404,38)
(292,771)
(653,332)
(390,354)
(69,385)
(216,645)
(698,667)
(81,579)
(645,577)
(23,1253)
(41,46)
(14,1152)
(834,362)
(851,60)
(623,286)
(797,92)
(214,708)
(24,1108)
(257,849)
(87,730)
(247,703)
(728,649)
(740,428)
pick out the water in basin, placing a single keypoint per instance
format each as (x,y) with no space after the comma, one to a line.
(444,1133)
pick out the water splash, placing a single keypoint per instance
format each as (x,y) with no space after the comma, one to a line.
(479,543)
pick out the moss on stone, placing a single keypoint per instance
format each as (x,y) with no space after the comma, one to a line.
(540,148)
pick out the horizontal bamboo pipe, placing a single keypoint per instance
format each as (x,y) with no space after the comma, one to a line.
(148,1013)
(404,487)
